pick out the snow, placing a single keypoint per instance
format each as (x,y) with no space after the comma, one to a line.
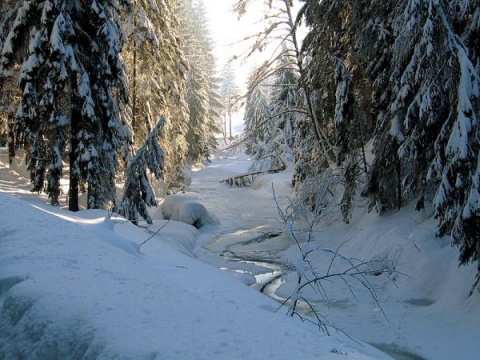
(91,285)
(427,311)
(186,210)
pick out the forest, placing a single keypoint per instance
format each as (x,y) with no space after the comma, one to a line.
(108,92)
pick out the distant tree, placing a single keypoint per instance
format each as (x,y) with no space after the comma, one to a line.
(274,107)
(312,147)
(197,97)
(256,117)
(230,95)
(202,85)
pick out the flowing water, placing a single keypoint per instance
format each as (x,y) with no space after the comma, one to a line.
(258,252)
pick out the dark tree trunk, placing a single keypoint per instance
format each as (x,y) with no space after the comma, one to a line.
(11,137)
(75,120)
(399,181)
(73,190)
(134,91)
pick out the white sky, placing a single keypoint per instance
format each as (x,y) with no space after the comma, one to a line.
(227,32)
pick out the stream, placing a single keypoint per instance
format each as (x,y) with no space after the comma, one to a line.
(257,252)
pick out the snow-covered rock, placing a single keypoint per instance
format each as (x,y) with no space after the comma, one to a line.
(186,210)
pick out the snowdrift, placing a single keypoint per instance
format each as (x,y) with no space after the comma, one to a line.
(187,210)
(85,286)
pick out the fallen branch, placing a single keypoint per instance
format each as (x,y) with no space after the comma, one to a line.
(239,180)
(155,233)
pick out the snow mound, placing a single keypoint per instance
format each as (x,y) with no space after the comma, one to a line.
(186,210)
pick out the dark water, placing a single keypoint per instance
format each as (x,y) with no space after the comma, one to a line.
(396,353)
(261,249)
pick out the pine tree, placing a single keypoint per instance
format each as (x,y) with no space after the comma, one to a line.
(73,88)
(230,94)
(138,192)
(256,117)
(419,60)
(197,98)
(274,116)
(8,91)
(201,85)
(157,72)
(429,125)
(336,78)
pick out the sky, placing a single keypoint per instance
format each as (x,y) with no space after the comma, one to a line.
(228,30)
(224,26)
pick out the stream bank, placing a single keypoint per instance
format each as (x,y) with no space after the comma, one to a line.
(259,254)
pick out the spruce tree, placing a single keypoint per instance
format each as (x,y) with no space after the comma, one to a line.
(256,117)
(8,91)
(430,118)
(157,73)
(202,98)
(73,87)
(138,192)
(274,108)
(230,94)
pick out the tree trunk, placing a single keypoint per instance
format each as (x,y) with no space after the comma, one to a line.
(225,128)
(134,85)
(320,135)
(134,90)
(399,181)
(230,124)
(75,120)
(11,137)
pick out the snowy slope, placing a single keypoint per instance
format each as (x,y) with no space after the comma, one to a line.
(80,286)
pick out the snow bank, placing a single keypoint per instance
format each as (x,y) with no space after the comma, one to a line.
(83,286)
(425,303)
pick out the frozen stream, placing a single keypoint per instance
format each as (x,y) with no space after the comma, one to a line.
(261,253)
(249,241)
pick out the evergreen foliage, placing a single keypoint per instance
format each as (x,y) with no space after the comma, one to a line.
(157,76)
(431,115)
(69,61)
(423,70)
(202,86)
(256,118)
(138,193)
(273,108)
(230,94)
(404,74)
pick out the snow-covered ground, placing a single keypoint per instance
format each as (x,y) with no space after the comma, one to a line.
(86,286)
(425,309)
(89,285)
